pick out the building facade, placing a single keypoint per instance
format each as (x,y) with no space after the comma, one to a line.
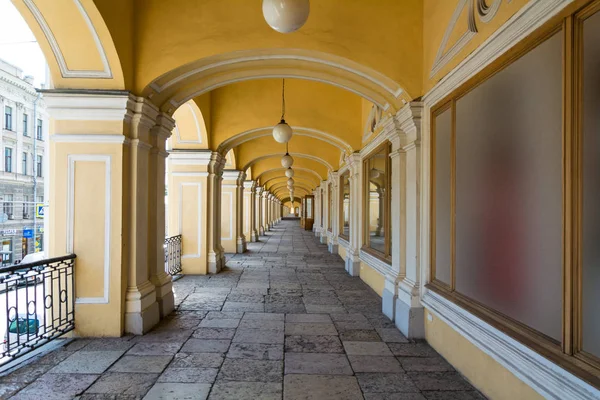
(22,141)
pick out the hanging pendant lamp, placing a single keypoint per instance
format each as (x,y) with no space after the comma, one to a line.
(287,161)
(289,173)
(285,16)
(282,132)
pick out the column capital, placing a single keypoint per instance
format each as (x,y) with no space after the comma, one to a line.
(250,185)
(233,175)
(259,190)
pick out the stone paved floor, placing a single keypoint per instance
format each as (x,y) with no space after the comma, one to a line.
(282,321)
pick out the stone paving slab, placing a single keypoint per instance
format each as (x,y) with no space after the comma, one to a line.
(282,321)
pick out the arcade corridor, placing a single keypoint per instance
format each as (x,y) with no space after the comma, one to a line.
(283,320)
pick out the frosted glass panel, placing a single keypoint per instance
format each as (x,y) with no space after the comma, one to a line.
(591,185)
(345,193)
(443,256)
(509,190)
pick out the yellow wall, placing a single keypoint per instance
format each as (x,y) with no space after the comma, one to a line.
(437,15)
(372,278)
(228,219)
(487,375)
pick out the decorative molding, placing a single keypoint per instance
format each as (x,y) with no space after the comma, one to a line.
(380,266)
(65,72)
(89,138)
(200,202)
(111,106)
(190,174)
(106,159)
(526,20)
(542,375)
(230,195)
(299,155)
(198,129)
(238,139)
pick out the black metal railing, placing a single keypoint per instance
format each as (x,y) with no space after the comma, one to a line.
(39,304)
(173,255)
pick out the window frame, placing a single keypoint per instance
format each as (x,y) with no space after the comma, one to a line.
(568,353)
(386,256)
(25,124)
(8,118)
(341,206)
(24,160)
(8,159)
(39,130)
(39,166)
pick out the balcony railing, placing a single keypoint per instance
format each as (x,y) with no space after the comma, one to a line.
(173,255)
(37,303)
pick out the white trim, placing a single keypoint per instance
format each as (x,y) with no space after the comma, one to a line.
(200,202)
(380,266)
(65,72)
(298,130)
(178,102)
(542,375)
(198,129)
(71,160)
(88,107)
(89,138)
(526,20)
(190,174)
(231,175)
(230,214)
(299,155)
(293,57)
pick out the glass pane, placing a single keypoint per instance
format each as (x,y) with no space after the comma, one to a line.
(330,207)
(377,170)
(591,185)
(509,190)
(345,193)
(309,207)
(443,239)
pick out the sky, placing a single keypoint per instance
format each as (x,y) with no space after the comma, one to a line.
(18,45)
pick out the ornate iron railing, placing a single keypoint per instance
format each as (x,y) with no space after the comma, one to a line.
(39,304)
(173,255)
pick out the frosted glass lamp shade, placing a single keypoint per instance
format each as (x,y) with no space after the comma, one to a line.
(287,161)
(282,132)
(290,181)
(286,16)
(289,173)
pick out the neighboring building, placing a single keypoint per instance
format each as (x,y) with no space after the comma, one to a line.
(21,165)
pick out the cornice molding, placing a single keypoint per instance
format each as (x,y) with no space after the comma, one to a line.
(542,375)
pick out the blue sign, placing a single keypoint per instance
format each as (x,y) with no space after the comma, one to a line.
(28,233)
(39,211)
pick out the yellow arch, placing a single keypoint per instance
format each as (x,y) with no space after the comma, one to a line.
(190,130)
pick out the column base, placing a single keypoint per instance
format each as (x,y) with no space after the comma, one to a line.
(215,263)
(323,239)
(352,267)
(240,245)
(141,309)
(164,294)
(262,231)
(254,236)
(410,320)
(333,248)
(388,304)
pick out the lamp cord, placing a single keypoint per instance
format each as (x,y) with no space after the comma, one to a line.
(283,100)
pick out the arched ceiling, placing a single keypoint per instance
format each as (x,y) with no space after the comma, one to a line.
(309,176)
(274,162)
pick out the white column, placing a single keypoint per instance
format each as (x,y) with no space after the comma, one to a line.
(332,242)
(156,216)
(355,237)
(323,221)
(259,211)
(240,237)
(317,211)
(216,255)
(409,315)
(249,210)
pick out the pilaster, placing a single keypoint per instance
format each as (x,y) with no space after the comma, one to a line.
(216,254)
(323,211)
(332,234)
(355,238)
(259,211)
(250,210)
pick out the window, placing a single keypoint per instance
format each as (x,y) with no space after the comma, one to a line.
(26,207)
(345,205)
(7,159)
(38,167)
(377,202)
(25,125)
(329,207)
(7,206)
(514,195)
(24,164)
(39,131)
(8,118)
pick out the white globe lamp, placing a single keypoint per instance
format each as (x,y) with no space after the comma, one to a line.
(282,132)
(287,161)
(286,16)
(290,181)
(289,172)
